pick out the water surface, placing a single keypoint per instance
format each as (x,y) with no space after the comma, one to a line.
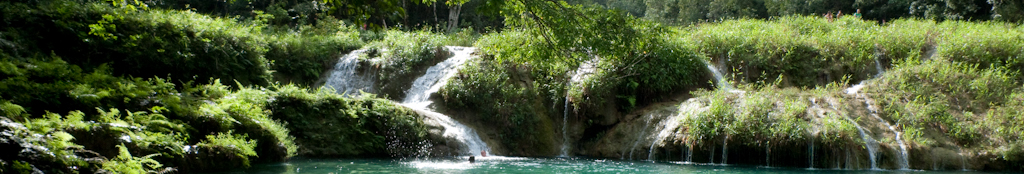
(525,165)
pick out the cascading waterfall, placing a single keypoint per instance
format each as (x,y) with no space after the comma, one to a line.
(870,142)
(345,78)
(436,77)
(904,163)
(452,128)
(672,123)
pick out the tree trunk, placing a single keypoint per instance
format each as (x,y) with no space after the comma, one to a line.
(453,18)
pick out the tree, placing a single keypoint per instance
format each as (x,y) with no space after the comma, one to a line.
(951,9)
(368,12)
(1007,10)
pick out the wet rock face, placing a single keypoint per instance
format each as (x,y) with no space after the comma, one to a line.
(438,144)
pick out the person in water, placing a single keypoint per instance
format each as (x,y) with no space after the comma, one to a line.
(483,153)
(472,159)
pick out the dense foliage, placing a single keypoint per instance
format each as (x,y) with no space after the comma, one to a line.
(89,87)
(127,86)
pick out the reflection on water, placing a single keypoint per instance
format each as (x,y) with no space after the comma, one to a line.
(499,164)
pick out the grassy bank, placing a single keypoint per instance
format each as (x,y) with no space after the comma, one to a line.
(945,85)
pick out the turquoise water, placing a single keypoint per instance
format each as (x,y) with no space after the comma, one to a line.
(521,165)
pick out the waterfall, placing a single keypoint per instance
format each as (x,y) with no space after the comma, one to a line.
(585,70)
(725,150)
(640,136)
(712,160)
(810,152)
(672,123)
(345,78)
(719,78)
(878,67)
(565,132)
(689,154)
(963,161)
(904,163)
(871,144)
(436,77)
(768,154)
(848,156)
(452,128)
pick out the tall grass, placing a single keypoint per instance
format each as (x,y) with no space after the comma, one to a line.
(768,114)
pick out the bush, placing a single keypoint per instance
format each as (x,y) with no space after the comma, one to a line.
(501,97)
(300,56)
(950,96)
(805,51)
(328,125)
(400,57)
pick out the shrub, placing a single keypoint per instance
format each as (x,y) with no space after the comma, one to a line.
(301,55)
(400,57)
(328,125)
(950,96)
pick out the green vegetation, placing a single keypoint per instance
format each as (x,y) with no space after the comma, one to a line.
(503,97)
(399,57)
(126,77)
(127,86)
(329,125)
(770,116)
(950,84)
(696,11)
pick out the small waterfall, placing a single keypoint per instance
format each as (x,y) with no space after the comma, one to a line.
(640,136)
(719,77)
(682,156)
(345,78)
(871,144)
(453,128)
(904,163)
(768,154)
(963,161)
(712,160)
(436,77)
(585,70)
(689,154)
(565,132)
(810,152)
(725,150)
(670,124)
(878,67)
(849,166)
